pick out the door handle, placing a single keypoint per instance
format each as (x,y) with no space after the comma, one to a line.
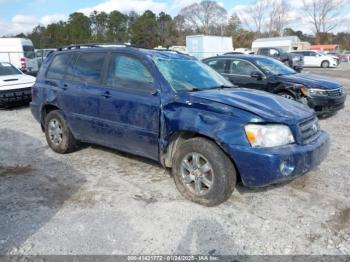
(106,94)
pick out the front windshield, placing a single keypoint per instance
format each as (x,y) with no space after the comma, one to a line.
(7,69)
(272,66)
(190,75)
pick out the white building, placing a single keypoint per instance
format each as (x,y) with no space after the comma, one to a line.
(288,43)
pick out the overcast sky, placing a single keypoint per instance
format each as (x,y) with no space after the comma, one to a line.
(18,16)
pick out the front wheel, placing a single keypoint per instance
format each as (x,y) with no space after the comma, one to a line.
(203,173)
(287,95)
(325,64)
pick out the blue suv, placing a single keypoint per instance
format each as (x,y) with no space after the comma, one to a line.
(174,109)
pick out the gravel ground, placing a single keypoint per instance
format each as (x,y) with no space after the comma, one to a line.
(99,201)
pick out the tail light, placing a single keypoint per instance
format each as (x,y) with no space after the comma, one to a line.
(23,63)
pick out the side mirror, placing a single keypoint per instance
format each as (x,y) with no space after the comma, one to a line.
(256,74)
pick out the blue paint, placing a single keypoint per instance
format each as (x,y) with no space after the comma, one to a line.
(143,121)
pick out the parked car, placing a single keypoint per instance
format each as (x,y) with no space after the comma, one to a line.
(325,96)
(317,59)
(347,56)
(20,53)
(292,60)
(338,55)
(14,85)
(174,109)
(41,54)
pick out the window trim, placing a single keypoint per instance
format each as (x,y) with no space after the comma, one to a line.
(149,89)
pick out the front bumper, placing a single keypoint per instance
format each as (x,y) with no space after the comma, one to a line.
(13,96)
(260,167)
(326,104)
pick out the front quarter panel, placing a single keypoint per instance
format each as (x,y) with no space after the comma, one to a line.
(218,122)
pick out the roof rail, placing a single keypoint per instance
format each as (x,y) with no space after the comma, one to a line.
(93,45)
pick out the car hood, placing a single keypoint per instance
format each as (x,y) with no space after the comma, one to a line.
(310,80)
(271,108)
(16,81)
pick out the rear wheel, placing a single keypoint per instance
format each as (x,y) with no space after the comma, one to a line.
(58,135)
(203,173)
(325,64)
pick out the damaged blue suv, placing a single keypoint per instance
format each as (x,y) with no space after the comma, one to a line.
(171,108)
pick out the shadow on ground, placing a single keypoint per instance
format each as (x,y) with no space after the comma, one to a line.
(33,188)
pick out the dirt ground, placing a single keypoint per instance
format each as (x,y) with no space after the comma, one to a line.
(100,201)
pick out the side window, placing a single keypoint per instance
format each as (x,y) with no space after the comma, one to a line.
(240,67)
(264,51)
(87,68)
(274,53)
(219,65)
(58,67)
(126,71)
(312,54)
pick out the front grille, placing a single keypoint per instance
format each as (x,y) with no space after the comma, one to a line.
(335,92)
(309,130)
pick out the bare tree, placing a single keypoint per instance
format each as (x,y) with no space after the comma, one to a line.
(254,16)
(324,15)
(204,16)
(278,17)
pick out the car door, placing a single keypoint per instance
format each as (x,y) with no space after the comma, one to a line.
(313,59)
(130,106)
(244,74)
(81,101)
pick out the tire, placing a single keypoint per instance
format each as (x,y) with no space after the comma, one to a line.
(287,95)
(216,183)
(58,135)
(325,64)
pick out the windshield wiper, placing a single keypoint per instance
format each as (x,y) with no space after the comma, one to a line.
(221,87)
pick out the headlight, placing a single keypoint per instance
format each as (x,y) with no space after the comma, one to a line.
(270,135)
(317,92)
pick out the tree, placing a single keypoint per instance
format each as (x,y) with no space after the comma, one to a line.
(117,27)
(255,16)
(324,15)
(204,16)
(278,17)
(166,29)
(234,25)
(98,22)
(144,30)
(79,28)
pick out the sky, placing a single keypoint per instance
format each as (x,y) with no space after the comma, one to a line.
(18,16)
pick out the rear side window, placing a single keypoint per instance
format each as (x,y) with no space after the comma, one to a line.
(28,51)
(125,71)
(263,51)
(58,66)
(87,68)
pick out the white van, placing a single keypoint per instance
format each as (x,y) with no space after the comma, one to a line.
(20,53)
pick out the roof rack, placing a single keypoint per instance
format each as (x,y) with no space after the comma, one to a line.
(94,45)
(102,45)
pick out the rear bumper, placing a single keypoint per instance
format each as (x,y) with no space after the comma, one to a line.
(13,96)
(260,167)
(326,104)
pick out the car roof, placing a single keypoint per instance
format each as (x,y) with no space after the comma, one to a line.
(238,56)
(160,53)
